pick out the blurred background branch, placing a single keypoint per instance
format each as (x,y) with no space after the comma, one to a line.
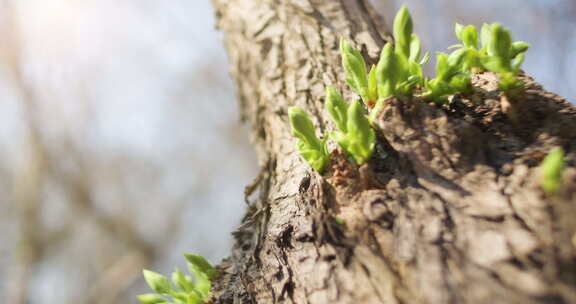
(87,214)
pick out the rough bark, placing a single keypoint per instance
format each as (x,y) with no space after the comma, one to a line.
(448,210)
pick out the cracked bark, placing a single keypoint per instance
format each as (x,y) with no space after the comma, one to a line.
(447,211)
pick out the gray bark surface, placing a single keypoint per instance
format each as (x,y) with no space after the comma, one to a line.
(448,210)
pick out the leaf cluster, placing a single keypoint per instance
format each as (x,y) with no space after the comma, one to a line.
(184,289)
(452,77)
(399,74)
(497,53)
(399,69)
(354,134)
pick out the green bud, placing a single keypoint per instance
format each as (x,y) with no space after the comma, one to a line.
(425,59)
(415,48)
(463,60)
(202,282)
(376,110)
(361,137)
(455,46)
(551,171)
(183,281)
(152,298)
(442,66)
(202,264)
(355,68)
(406,87)
(485,33)
(519,47)
(517,63)
(500,49)
(458,30)
(457,59)
(508,83)
(312,149)
(302,126)
(494,64)
(461,83)
(372,85)
(415,72)
(337,107)
(180,297)
(387,72)
(437,90)
(157,282)
(467,54)
(500,42)
(452,75)
(469,36)
(194,298)
(403,31)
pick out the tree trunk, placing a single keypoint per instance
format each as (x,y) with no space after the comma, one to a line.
(448,210)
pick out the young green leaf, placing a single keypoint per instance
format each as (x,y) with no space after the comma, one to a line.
(517,63)
(414,66)
(355,68)
(551,171)
(437,90)
(485,33)
(402,31)
(387,72)
(202,282)
(194,298)
(157,282)
(372,87)
(360,136)
(519,47)
(458,28)
(376,110)
(424,59)
(406,87)
(415,48)
(443,71)
(457,61)
(202,264)
(337,107)
(461,83)
(399,70)
(499,50)
(509,83)
(312,149)
(469,36)
(152,298)
(183,281)
(179,297)
(452,74)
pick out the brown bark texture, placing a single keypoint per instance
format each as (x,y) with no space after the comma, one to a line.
(449,208)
